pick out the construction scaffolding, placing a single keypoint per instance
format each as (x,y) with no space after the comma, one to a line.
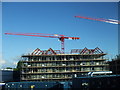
(52,65)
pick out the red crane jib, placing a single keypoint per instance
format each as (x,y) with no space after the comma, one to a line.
(44,35)
(60,37)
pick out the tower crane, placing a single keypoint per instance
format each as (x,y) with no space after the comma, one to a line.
(60,37)
(100,19)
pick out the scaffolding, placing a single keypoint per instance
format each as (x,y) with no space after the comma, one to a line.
(52,65)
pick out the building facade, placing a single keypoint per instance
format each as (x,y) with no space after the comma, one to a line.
(114,65)
(6,75)
(51,65)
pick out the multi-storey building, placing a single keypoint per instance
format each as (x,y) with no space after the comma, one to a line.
(114,65)
(51,65)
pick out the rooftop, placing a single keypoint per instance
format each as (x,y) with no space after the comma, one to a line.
(84,51)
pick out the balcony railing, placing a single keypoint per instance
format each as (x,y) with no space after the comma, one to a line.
(63,60)
(61,72)
(54,66)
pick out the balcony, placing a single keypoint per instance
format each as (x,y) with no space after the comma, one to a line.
(36,61)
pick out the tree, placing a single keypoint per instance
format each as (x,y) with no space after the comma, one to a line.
(9,68)
(19,66)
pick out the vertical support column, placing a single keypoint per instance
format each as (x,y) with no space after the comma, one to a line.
(62,44)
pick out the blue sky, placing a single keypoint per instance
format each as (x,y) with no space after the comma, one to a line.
(57,18)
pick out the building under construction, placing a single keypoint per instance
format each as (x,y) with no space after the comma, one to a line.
(52,65)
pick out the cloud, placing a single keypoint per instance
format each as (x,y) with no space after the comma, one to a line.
(2,62)
(15,63)
(5,63)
